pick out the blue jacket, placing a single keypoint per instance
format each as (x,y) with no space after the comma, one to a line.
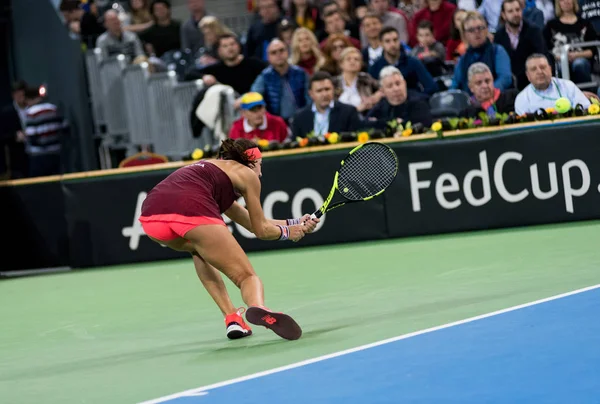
(269,84)
(496,58)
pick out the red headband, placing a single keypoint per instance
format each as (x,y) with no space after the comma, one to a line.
(254,153)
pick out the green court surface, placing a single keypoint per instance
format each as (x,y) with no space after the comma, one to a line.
(132,333)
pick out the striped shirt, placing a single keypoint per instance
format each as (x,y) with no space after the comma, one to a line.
(44,129)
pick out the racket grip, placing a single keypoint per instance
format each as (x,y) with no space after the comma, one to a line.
(316,215)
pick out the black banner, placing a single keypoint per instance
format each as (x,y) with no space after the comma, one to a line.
(533,177)
(520,178)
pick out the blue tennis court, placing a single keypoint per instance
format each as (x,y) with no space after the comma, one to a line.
(546,351)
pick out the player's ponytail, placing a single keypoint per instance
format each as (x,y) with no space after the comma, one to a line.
(238,150)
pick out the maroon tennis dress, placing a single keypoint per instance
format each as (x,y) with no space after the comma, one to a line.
(192,196)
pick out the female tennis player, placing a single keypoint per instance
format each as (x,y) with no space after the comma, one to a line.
(183,212)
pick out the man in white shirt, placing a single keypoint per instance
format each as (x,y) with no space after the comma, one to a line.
(544,90)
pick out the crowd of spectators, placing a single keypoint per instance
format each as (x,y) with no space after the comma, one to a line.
(319,66)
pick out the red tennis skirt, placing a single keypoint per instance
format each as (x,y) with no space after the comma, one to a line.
(167,227)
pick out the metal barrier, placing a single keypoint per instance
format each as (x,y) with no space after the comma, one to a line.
(162,115)
(113,103)
(183,96)
(92,62)
(137,106)
(564,71)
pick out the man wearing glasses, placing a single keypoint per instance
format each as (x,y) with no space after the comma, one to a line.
(481,49)
(283,86)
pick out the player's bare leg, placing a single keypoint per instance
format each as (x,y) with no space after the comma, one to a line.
(217,246)
(213,283)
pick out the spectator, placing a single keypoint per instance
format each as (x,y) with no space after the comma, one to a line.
(335,24)
(285,32)
(547,7)
(115,41)
(544,89)
(256,123)
(329,6)
(570,29)
(72,14)
(12,136)
(305,51)
(325,115)
(283,86)
(212,30)
(481,49)
(264,30)
(490,11)
(305,15)
(413,71)
(456,45)
(90,25)
(45,130)
(164,35)
(388,19)
(519,38)
(430,52)
(398,103)
(486,97)
(233,69)
(370,28)
(440,13)
(354,87)
(140,17)
(332,51)
(532,14)
(191,37)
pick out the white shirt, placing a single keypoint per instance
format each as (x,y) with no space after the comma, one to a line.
(350,93)
(374,54)
(321,124)
(530,100)
(248,128)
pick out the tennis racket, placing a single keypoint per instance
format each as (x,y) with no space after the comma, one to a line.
(365,173)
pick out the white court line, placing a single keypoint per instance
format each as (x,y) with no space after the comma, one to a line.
(196,391)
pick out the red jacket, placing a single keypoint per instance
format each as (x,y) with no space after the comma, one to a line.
(441,20)
(274,128)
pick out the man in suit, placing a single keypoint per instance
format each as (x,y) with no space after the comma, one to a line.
(325,115)
(519,38)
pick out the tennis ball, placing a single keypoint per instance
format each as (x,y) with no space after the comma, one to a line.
(562,105)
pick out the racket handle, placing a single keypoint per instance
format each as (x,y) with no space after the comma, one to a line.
(316,215)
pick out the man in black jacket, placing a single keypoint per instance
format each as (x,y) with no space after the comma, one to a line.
(12,136)
(519,38)
(324,115)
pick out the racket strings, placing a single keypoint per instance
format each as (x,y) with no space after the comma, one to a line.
(367,171)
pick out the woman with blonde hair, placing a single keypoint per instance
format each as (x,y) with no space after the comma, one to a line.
(354,87)
(212,29)
(334,45)
(140,17)
(305,51)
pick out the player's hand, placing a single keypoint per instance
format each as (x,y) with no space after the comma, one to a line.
(309,224)
(296,232)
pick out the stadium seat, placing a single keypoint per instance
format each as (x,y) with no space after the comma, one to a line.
(142,159)
(450,103)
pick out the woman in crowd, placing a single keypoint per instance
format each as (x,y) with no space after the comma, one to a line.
(456,45)
(354,87)
(333,48)
(305,51)
(569,28)
(140,18)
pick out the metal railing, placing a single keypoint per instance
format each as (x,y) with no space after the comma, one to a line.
(564,64)
(143,110)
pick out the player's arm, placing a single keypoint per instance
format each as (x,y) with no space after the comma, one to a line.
(261,227)
(240,215)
